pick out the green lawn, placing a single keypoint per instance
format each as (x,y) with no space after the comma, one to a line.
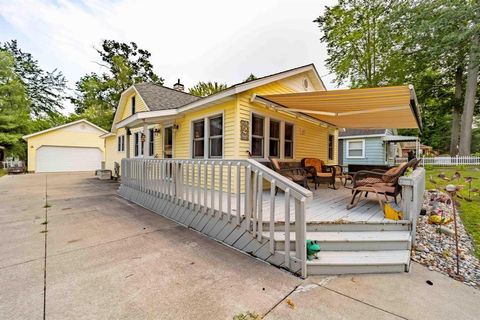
(3,172)
(469,211)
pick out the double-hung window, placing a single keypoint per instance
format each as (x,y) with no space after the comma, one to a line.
(207,137)
(274,141)
(133,105)
(258,136)
(121,143)
(288,142)
(198,139)
(331,144)
(150,142)
(215,131)
(280,142)
(355,148)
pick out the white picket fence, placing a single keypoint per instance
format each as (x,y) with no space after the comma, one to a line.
(446,161)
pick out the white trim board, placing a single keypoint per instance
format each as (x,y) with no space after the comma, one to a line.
(64,126)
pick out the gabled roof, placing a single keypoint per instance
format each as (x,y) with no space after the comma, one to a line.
(217,97)
(158,97)
(64,126)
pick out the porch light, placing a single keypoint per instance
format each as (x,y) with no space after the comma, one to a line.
(142,138)
(156,131)
(175,126)
(129,133)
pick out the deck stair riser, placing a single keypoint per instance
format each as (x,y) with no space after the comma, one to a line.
(351,241)
(351,262)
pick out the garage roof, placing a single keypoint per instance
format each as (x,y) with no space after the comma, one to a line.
(64,126)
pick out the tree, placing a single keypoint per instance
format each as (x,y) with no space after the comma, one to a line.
(97,95)
(250,78)
(361,45)
(443,33)
(203,89)
(14,107)
(374,43)
(45,89)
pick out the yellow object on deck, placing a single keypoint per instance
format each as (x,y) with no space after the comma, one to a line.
(392,211)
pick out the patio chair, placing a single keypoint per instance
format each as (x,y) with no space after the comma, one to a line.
(297,175)
(381,183)
(319,172)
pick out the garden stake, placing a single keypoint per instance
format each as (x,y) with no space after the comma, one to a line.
(451,189)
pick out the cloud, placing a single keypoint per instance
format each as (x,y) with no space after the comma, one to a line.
(192,40)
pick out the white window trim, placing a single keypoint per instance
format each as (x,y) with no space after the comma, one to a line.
(206,145)
(348,149)
(266,136)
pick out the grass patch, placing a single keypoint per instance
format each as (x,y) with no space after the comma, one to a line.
(469,211)
(3,172)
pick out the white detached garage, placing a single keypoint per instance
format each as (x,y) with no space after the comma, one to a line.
(75,146)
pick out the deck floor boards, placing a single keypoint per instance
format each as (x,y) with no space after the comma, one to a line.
(327,205)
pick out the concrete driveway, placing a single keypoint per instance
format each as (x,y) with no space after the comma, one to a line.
(109,259)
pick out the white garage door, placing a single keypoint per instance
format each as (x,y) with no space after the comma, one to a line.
(59,159)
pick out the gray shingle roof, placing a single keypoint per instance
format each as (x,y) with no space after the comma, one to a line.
(360,132)
(158,97)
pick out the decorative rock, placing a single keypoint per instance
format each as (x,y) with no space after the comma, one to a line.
(437,250)
(445,230)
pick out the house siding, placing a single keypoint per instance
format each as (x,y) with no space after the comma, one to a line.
(374,152)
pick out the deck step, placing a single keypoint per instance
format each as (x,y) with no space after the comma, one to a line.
(348,262)
(350,241)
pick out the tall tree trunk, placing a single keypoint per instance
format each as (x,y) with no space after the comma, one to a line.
(469,102)
(456,112)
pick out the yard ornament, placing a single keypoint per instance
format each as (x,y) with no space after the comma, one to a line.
(312,249)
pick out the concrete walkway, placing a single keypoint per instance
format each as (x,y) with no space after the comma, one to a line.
(109,259)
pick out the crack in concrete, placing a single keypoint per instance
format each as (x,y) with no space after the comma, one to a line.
(322,284)
(87,247)
(45,252)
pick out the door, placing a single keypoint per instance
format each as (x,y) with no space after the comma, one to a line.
(168,142)
(61,159)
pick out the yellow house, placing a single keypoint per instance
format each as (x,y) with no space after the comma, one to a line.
(242,203)
(75,146)
(154,121)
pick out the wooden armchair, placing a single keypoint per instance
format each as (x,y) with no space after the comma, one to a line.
(319,172)
(381,183)
(297,175)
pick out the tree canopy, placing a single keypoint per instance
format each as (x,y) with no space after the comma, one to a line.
(97,95)
(424,42)
(203,89)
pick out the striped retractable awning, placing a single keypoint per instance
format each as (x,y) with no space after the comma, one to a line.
(383,107)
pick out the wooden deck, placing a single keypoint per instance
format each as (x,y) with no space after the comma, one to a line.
(327,205)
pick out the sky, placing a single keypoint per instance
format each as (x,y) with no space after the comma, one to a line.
(190,40)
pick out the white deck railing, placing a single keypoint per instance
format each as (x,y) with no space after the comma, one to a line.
(413,188)
(445,161)
(226,187)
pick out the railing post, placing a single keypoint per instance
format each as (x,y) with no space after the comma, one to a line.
(301,234)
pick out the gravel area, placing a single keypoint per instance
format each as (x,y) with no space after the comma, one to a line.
(435,243)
